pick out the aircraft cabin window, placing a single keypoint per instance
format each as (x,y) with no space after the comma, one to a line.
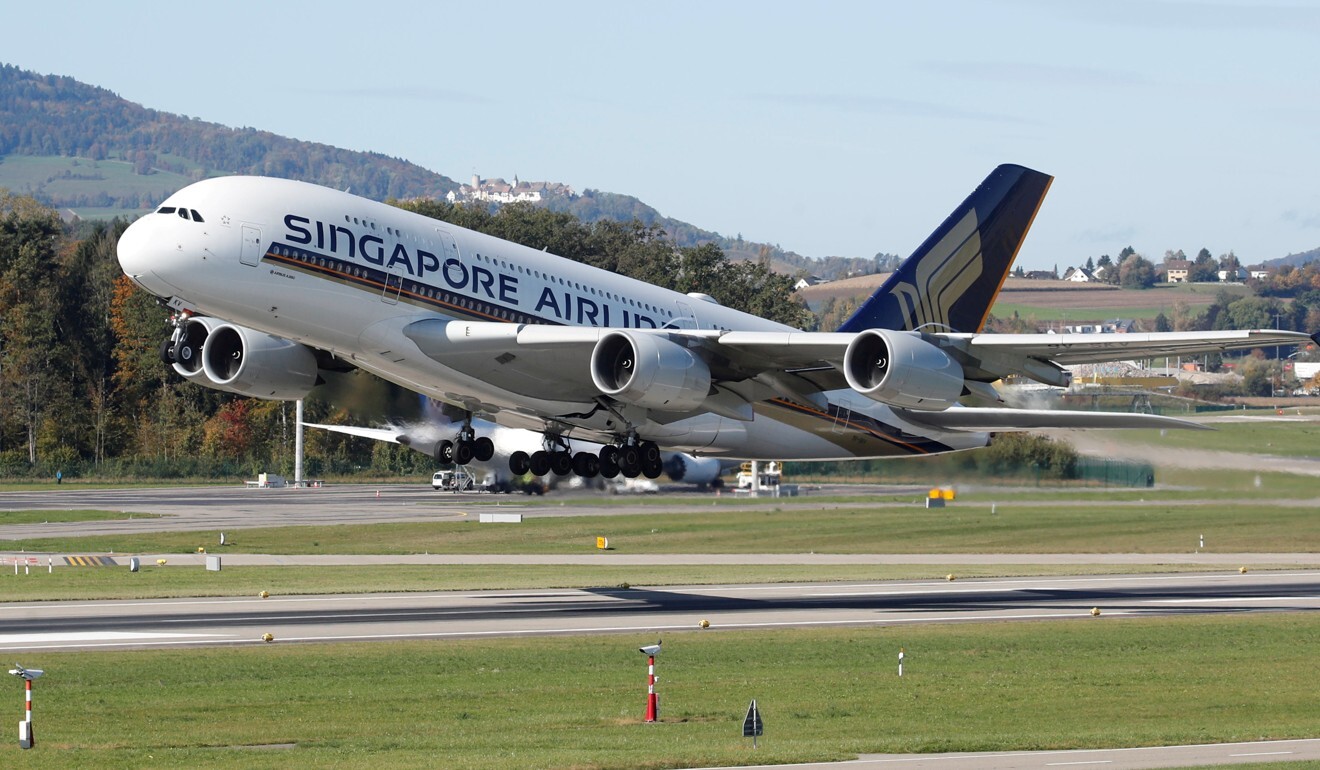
(196,217)
(165,210)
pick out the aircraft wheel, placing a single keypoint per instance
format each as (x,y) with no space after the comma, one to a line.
(519,463)
(540,463)
(630,458)
(650,453)
(609,463)
(561,463)
(586,465)
(444,452)
(483,449)
(652,470)
(167,350)
(463,452)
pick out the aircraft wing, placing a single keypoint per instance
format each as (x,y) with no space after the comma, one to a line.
(557,362)
(972,419)
(1097,348)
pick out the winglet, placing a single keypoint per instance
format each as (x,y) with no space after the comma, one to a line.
(951,280)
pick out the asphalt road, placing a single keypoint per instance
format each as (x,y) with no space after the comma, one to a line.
(638,611)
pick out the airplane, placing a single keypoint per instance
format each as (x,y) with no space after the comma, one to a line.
(276,283)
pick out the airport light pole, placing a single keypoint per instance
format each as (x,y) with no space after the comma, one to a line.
(26,739)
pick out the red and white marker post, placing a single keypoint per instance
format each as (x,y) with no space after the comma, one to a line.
(26,738)
(652,701)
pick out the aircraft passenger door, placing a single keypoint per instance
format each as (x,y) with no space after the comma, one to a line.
(252,249)
(393,285)
(685,319)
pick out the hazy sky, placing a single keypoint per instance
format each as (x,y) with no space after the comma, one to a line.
(841,128)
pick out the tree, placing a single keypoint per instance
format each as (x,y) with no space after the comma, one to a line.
(1136,272)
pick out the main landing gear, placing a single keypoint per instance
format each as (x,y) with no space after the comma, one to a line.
(466,449)
(629,459)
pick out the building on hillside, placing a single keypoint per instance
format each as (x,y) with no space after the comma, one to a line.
(1177,270)
(811,280)
(1040,275)
(1233,275)
(1258,272)
(499,191)
(1078,275)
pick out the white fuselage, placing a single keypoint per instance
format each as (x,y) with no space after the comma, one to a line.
(345,274)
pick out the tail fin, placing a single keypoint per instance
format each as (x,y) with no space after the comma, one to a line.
(951,280)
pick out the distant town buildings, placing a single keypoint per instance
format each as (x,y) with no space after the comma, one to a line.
(499,191)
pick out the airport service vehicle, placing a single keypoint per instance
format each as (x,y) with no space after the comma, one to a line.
(276,282)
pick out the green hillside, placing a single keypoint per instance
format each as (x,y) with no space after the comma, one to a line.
(78,146)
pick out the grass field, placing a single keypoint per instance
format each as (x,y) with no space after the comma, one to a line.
(964,527)
(578,701)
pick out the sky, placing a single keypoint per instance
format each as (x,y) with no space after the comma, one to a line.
(828,128)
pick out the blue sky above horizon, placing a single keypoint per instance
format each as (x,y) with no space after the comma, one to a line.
(831,128)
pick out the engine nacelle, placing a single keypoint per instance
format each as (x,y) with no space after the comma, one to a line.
(692,470)
(253,363)
(649,371)
(187,351)
(901,369)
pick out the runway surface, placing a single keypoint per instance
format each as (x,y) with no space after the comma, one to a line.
(1102,759)
(643,611)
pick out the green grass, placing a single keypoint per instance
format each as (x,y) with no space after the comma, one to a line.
(1300,439)
(962,527)
(33,173)
(34,517)
(561,702)
(153,582)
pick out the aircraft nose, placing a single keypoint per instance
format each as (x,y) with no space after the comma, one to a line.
(137,256)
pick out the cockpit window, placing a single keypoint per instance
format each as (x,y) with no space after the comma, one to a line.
(165,210)
(196,217)
(183,213)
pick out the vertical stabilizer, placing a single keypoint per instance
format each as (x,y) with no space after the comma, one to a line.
(951,280)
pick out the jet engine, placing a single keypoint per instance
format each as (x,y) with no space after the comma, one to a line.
(649,371)
(253,363)
(694,470)
(185,353)
(902,369)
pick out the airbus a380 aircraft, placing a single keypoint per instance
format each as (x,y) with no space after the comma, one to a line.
(274,281)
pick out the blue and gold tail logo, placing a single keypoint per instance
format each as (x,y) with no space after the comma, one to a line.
(951,280)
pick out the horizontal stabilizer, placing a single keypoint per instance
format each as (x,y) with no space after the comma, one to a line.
(968,418)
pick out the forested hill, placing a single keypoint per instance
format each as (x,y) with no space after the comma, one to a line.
(53,116)
(83,148)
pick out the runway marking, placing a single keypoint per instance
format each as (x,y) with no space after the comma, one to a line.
(1092,762)
(1263,754)
(1230,599)
(94,636)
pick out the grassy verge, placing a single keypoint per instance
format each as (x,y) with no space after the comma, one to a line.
(961,528)
(577,701)
(154,582)
(36,517)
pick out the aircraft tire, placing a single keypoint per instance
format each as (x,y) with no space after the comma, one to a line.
(650,453)
(519,463)
(167,350)
(652,470)
(444,451)
(561,463)
(463,452)
(630,459)
(483,449)
(586,465)
(609,466)
(540,463)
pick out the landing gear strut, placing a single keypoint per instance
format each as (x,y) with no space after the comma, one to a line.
(467,448)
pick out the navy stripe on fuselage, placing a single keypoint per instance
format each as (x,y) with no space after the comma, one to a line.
(374,280)
(841,417)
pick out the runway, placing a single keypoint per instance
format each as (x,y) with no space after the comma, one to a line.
(643,611)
